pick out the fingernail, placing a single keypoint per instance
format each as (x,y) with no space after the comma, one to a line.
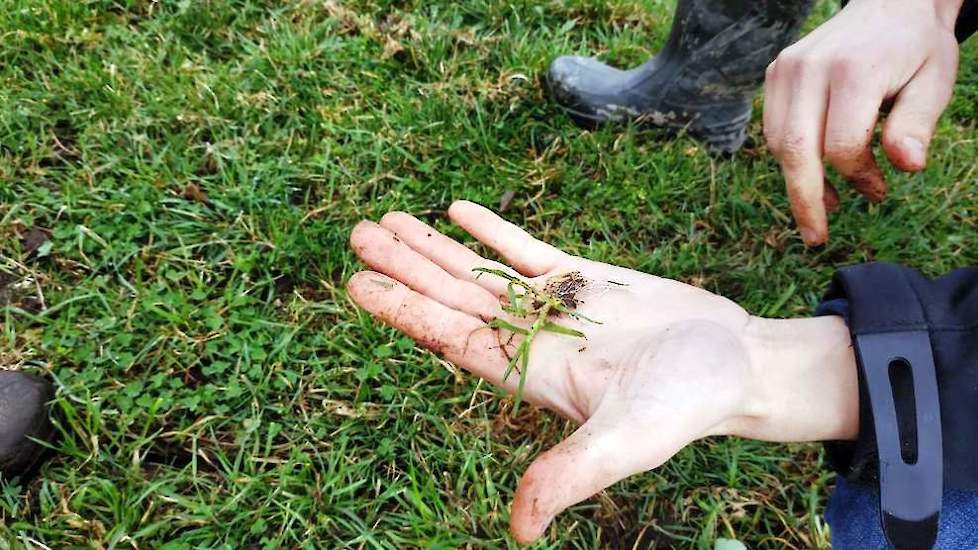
(808,235)
(914,150)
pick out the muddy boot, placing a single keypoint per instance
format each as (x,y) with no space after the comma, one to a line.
(704,79)
(23,415)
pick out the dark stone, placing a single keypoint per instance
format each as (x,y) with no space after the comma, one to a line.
(23,415)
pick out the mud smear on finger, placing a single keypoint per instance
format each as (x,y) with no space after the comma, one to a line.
(867,178)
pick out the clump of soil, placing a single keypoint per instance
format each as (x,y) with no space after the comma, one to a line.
(565,287)
(16,291)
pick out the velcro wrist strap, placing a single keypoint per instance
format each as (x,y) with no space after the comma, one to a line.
(911,476)
(896,362)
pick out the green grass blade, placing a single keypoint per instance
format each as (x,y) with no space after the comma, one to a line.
(560,329)
(581,317)
(516,302)
(502,323)
(513,361)
(496,272)
(524,363)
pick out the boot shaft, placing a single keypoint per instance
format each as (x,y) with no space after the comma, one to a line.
(721,48)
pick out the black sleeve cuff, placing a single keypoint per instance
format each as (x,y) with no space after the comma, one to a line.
(854,460)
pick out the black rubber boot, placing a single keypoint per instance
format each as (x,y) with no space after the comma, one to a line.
(23,415)
(704,79)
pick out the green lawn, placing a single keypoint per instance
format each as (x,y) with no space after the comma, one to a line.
(177,182)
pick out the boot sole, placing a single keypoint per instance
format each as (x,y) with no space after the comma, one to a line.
(726,138)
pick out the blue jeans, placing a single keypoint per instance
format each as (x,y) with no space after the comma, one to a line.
(854,518)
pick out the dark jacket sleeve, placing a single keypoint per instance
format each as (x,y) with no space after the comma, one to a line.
(967,22)
(882,297)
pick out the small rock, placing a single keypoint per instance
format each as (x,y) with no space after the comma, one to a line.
(34,239)
(193,192)
(505,199)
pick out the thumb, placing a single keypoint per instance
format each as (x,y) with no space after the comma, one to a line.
(911,122)
(591,459)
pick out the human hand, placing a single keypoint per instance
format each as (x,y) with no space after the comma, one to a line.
(824,93)
(670,363)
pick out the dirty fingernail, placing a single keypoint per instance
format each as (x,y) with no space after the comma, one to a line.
(808,235)
(914,150)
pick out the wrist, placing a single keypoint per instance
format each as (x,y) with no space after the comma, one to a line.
(804,383)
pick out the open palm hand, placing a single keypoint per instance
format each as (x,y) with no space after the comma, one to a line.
(663,363)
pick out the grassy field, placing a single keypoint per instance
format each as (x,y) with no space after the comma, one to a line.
(177,183)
